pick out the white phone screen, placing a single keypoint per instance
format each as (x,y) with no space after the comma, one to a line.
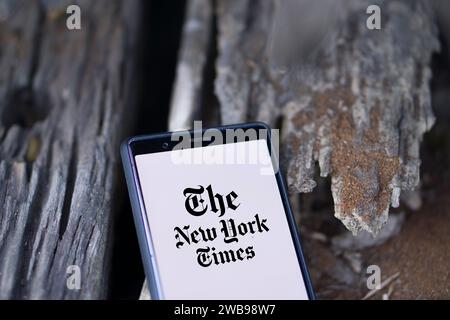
(218,225)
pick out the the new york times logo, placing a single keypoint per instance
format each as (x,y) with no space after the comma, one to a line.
(200,200)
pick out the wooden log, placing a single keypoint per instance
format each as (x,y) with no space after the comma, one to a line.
(66,100)
(189,83)
(358,107)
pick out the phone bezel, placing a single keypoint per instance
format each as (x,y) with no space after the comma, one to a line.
(154,143)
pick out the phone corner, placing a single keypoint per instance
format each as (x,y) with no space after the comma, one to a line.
(125,146)
(262,125)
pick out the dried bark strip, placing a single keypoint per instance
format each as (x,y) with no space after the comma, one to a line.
(359,108)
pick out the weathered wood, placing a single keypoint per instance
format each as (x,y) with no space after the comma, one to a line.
(245,85)
(358,107)
(65,104)
(189,82)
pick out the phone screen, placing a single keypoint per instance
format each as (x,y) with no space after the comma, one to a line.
(218,225)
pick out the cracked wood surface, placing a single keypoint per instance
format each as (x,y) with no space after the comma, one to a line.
(65,100)
(358,107)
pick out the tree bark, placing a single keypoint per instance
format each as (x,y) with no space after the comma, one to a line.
(358,105)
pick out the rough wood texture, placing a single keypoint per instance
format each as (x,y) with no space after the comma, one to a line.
(245,86)
(65,97)
(359,108)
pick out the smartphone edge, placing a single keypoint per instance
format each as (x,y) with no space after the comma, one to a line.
(138,217)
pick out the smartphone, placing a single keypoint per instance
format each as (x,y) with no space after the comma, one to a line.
(212,215)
